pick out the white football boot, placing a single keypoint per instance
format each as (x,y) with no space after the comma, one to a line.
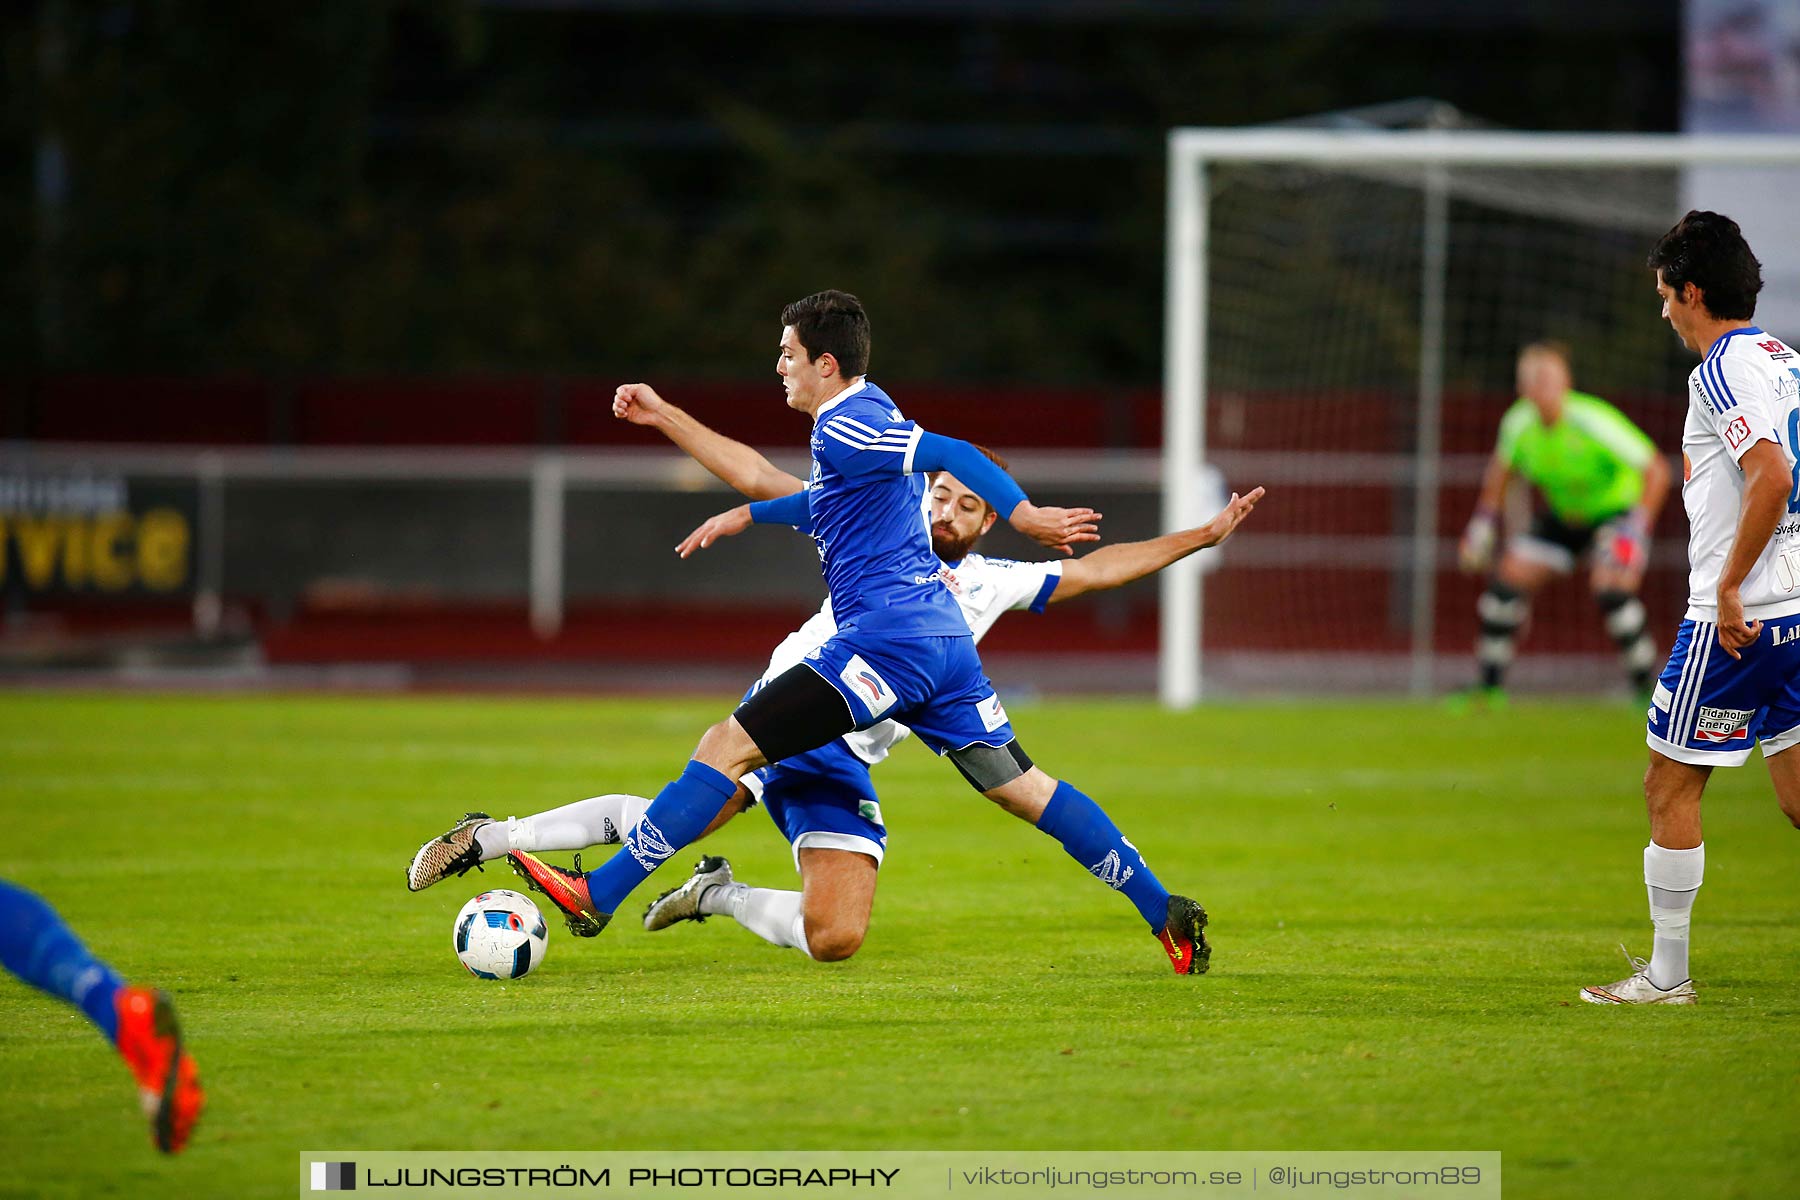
(450,853)
(683,903)
(1636,988)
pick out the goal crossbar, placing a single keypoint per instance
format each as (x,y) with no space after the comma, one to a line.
(1477,147)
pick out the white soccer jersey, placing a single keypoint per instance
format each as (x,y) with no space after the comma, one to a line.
(984,588)
(1745,391)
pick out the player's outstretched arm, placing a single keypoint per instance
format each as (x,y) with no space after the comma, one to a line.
(729,523)
(793,509)
(1115,566)
(736,464)
(1057,528)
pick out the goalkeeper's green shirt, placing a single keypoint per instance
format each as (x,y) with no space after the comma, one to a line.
(1589,465)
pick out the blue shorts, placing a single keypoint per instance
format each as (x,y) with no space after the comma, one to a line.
(933,684)
(1710,708)
(824,800)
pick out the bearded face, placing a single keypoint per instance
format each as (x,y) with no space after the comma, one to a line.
(949,544)
(958,517)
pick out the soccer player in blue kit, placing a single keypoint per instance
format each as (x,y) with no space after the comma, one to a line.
(902,649)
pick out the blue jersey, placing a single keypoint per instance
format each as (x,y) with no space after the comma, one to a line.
(867,521)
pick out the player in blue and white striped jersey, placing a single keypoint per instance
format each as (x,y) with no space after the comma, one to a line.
(823,801)
(902,648)
(1733,678)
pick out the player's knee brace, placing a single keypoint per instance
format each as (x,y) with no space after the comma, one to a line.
(988,767)
(795,712)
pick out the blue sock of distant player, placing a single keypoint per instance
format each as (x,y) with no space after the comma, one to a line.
(1092,840)
(36,946)
(679,814)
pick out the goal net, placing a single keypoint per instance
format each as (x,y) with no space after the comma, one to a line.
(1344,314)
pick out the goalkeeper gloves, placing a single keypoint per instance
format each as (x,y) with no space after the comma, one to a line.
(1477,548)
(1624,541)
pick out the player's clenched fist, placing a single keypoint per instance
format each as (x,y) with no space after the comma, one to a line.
(638,403)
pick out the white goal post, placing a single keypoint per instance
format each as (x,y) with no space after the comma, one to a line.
(1441,168)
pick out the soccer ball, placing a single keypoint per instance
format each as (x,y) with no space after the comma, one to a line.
(500,935)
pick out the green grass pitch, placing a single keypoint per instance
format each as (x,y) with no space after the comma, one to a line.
(1404,906)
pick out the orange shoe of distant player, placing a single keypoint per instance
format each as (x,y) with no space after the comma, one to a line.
(168,1083)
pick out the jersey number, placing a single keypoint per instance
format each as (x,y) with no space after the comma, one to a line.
(1794,448)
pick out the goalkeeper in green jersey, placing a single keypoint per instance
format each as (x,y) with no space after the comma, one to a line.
(1603,483)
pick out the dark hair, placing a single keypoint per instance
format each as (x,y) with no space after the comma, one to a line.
(833,323)
(1708,250)
(991,455)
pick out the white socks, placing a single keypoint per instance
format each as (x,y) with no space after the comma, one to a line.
(1672,878)
(775,917)
(596,821)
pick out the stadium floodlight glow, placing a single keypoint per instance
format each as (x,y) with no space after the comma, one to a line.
(1406,221)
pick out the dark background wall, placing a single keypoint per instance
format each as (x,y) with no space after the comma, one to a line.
(618,188)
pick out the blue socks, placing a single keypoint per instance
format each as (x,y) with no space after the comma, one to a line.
(679,814)
(683,809)
(1092,840)
(36,946)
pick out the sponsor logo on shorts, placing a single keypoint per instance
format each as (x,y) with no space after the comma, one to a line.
(1781,637)
(870,811)
(1723,725)
(993,714)
(1738,432)
(870,687)
(648,845)
(1661,698)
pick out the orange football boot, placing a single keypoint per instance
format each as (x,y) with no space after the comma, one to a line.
(168,1083)
(567,889)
